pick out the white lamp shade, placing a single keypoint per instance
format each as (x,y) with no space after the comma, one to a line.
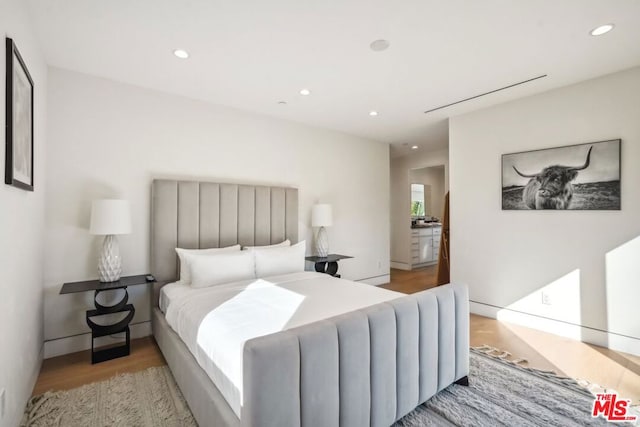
(110,217)
(321,215)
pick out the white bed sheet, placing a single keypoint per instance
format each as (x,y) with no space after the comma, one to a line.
(215,322)
(171,291)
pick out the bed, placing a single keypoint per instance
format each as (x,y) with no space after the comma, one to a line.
(333,353)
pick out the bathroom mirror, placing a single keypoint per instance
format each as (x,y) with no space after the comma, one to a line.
(427,191)
(417,200)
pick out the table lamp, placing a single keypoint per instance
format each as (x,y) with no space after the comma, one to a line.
(110,217)
(321,216)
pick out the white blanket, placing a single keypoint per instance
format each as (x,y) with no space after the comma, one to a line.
(215,322)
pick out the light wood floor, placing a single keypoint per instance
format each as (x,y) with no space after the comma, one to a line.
(608,368)
(412,281)
(73,370)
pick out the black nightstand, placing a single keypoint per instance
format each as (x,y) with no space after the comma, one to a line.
(98,330)
(328,264)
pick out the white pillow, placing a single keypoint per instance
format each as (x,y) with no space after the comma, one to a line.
(283,260)
(211,270)
(277,245)
(185,254)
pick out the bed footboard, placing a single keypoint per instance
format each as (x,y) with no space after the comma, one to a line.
(365,368)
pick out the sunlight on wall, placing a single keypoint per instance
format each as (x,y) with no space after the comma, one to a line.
(559,300)
(623,289)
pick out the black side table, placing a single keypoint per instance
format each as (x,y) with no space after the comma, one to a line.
(328,264)
(98,330)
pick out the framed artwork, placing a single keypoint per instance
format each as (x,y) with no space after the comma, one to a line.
(575,177)
(19,121)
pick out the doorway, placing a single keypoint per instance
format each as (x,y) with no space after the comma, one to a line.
(416,232)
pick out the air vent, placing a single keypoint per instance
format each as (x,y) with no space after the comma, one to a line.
(486,93)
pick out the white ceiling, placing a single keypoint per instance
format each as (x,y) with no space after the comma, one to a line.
(252,54)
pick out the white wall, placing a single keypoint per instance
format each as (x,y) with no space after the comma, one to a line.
(587,261)
(21,233)
(108,139)
(401,197)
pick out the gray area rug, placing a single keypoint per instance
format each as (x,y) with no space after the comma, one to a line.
(500,394)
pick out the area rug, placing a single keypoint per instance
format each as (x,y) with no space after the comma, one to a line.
(148,398)
(501,393)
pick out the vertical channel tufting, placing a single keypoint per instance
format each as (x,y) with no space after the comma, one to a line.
(382,327)
(188,213)
(178,223)
(228,214)
(446,336)
(199,208)
(209,215)
(319,374)
(271,381)
(193,214)
(164,236)
(291,214)
(246,215)
(461,295)
(355,369)
(407,355)
(428,376)
(278,206)
(263,216)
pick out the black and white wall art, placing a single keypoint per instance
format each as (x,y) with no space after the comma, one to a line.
(577,177)
(19,121)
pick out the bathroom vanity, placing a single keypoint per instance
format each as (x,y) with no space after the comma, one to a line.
(425,244)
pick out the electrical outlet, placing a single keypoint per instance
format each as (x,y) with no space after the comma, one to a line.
(546,298)
(2,403)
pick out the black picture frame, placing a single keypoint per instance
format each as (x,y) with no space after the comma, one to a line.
(587,176)
(18,121)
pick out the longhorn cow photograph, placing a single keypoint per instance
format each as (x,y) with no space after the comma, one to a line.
(575,177)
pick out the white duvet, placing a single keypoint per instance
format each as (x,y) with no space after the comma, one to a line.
(215,322)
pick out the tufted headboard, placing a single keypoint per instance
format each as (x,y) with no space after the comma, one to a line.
(199,215)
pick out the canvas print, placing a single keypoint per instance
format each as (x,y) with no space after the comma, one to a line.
(19,143)
(576,177)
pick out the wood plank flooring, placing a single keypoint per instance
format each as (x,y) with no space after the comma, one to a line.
(606,367)
(412,281)
(75,369)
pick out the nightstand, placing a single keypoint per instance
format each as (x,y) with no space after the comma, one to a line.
(328,264)
(98,330)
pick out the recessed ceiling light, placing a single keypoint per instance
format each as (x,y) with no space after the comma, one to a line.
(305,92)
(379,45)
(414,147)
(180,53)
(373,113)
(602,29)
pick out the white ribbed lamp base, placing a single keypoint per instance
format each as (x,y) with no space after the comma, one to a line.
(109,262)
(322,243)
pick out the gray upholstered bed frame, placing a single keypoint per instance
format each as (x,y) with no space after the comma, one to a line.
(369,367)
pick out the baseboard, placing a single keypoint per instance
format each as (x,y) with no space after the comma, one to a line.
(423,264)
(376,280)
(400,265)
(598,337)
(72,344)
